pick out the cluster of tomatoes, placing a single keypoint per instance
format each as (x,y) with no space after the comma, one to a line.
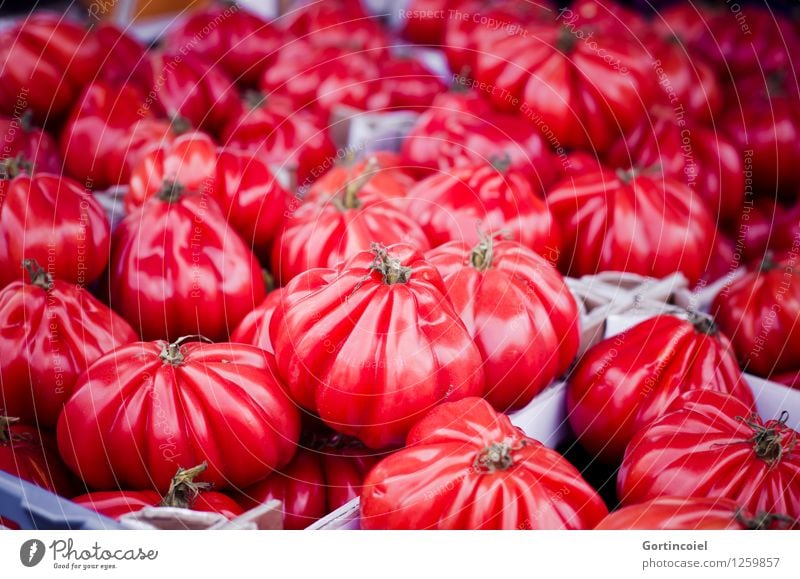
(261,316)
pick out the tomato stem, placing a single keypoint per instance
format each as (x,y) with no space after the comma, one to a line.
(768,263)
(392,270)
(179,125)
(482,254)
(254,99)
(769,441)
(495,457)
(703,324)
(764,521)
(39,277)
(6,435)
(183,489)
(172,354)
(13,167)
(354,185)
(171,191)
(501,163)
(26,121)
(566,41)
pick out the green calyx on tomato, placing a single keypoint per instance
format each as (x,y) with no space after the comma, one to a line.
(481,256)
(12,167)
(254,99)
(390,268)
(179,125)
(768,440)
(501,163)
(768,263)
(39,277)
(703,324)
(567,39)
(171,353)
(171,191)
(349,195)
(183,489)
(764,521)
(5,429)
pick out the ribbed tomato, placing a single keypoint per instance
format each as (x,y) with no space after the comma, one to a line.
(459,129)
(713,445)
(184,493)
(48,59)
(375,345)
(322,232)
(624,383)
(408,83)
(467,203)
(631,221)
(315,483)
(767,226)
(467,467)
(227,35)
(145,409)
(22,139)
(124,58)
(53,220)
(254,328)
(177,268)
(380,175)
(50,332)
(760,311)
(692,514)
(518,310)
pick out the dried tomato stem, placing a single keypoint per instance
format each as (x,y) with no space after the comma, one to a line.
(482,254)
(171,191)
(764,521)
(172,354)
(703,324)
(392,270)
(183,489)
(12,167)
(354,186)
(5,428)
(495,457)
(39,277)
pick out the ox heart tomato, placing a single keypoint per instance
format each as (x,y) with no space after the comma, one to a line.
(50,331)
(692,514)
(767,226)
(382,174)
(53,59)
(374,345)
(145,409)
(760,311)
(519,311)
(464,204)
(178,268)
(632,221)
(21,138)
(626,382)
(53,220)
(254,328)
(184,493)
(315,483)
(409,84)
(124,58)
(713,445)
(467,467)
(324,231)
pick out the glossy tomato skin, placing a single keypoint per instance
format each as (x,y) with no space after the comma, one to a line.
(387,178)
(116,504)
(409,84)
(323,232)
(50,332)
(125,59)
(393,335)
(91,140)
(72,247)
(284,138)
(254,328)
(768,226)
(31,455)
(444,478)
(177,268)
(229,36)
(760,311)
(461,130)
(688,514)
(314,484)
(148,408)
(518,310)
(638,223)
(465,204)
(53,58)
(21,138)
(624,383)
(701,158)
(713,445)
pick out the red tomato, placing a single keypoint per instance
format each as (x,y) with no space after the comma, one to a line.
(579,163)
(47,61)
(701,158)
(790,379)
(53,220)
(725,259)
(691,514)
(229,36)
(314,484)
(387,179)
(31,455)
(50,332)
(323,232)
(145,409)
(409,84)
(713,445)
(760,311)
(467,467)
(177,268)
(624,383)
(184,493)
(23,140)
(91,140)
(424,21)
(460,130)
(557,79)
(633,222)
(143,137)
(186,86)
(283,137)
(125,59)
(254,328)
(767,226)
(763,120)
(518,310)
(374,345)
(467,203)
